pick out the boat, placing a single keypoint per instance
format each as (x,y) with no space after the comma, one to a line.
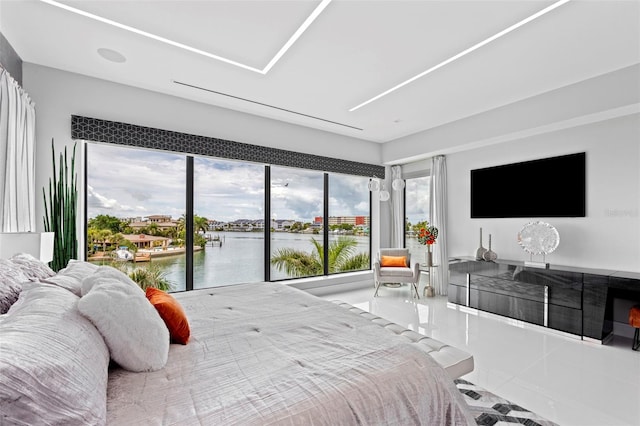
(123,254)
(142,257)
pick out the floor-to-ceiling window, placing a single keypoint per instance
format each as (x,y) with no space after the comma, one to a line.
(349,223)
(183,212)
(136,212)
(416,213)
(137,218)
(229,216)
(297,208)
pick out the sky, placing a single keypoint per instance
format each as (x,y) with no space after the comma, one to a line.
(417,199)
(130,182)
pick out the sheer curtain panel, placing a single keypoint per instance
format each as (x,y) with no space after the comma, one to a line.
(17,157)
(397,209)
(438,207)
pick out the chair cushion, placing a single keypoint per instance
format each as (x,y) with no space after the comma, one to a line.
(634,316)
(387,261)
(396,272)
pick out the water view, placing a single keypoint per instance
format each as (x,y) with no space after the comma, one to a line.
(239,259)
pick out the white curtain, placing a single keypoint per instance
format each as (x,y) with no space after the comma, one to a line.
(397,209)
(438,209)
(17,157)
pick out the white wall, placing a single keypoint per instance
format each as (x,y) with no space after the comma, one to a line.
(608,237)
(613,94)
(59,94)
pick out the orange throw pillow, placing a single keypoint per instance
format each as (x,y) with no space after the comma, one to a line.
(171,313)
(400,261)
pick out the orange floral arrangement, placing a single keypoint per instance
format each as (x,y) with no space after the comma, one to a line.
(428,235)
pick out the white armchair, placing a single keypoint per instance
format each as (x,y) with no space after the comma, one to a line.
(396,274)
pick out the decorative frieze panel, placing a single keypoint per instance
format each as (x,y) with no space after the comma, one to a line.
(97,130)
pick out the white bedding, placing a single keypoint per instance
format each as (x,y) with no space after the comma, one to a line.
(264,354)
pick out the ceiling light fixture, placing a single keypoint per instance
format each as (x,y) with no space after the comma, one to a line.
(323,4)
(464,52)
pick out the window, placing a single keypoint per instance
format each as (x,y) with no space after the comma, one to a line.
(139,210)
(229,219)
(135,211)
(416,213)
(349,223)
(297,240)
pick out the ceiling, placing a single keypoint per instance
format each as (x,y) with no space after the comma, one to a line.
(225,53)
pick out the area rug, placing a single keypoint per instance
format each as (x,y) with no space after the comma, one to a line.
(490,409)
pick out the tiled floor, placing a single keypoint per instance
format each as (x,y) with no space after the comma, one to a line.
(566,380)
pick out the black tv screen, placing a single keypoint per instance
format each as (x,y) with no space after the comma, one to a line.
(549,187)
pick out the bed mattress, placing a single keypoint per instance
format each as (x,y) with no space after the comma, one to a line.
(263,354)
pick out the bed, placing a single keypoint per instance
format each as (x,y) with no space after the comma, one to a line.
(258,354)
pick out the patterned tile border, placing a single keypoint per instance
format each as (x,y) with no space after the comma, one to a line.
(97,130)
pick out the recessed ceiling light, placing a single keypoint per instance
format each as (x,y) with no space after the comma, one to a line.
(263,71)
(111,55)
(464,52)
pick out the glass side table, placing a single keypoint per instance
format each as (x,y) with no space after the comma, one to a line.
(428,289)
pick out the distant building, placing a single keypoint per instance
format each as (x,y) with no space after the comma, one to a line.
(163,222)
(350,220)
(159,218)
(148,242)
(281,224)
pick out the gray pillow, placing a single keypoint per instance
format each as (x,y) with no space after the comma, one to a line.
(68,282)
(34,269)
(11,279)
(53,361)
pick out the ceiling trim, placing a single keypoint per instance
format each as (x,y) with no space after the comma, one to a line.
(463,53)
(193,86)
(296,35)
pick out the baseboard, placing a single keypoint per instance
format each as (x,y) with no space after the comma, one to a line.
(320,286)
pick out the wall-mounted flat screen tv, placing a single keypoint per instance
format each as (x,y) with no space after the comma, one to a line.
(549,187)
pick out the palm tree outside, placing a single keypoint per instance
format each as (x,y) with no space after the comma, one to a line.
(298,263)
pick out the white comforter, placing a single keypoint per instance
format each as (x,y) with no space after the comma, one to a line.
(264,354)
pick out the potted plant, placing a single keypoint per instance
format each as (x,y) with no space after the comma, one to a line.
(60,209)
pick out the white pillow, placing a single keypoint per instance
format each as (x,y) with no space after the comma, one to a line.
(137,337)
(78,269)
(53,361)
(107,273)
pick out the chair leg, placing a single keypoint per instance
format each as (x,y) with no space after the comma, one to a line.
(636,340)
(377,287)
(415,288)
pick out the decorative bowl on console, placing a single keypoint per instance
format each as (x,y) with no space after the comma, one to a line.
(538,238)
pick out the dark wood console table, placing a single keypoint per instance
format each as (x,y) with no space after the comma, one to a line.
(569,299)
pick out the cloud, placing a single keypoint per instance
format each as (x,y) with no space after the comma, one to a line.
(154,182)
(102,203)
